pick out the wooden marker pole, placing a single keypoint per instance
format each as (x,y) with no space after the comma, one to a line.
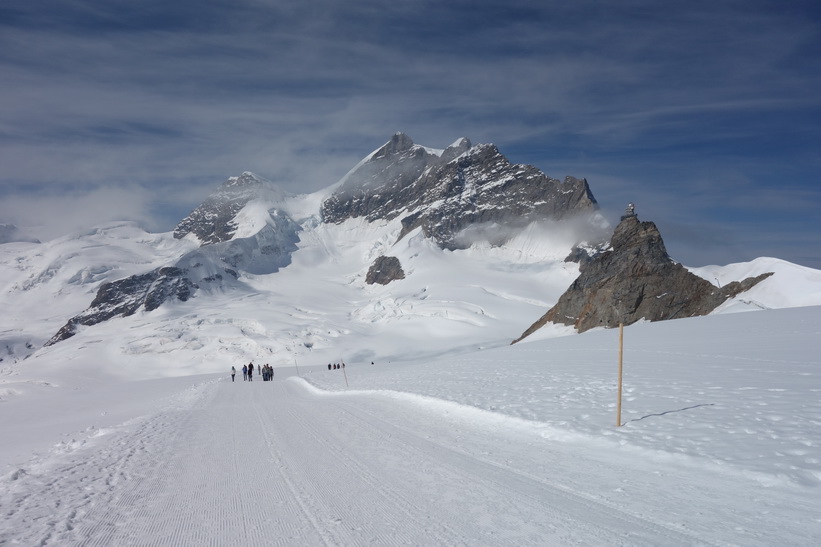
(297,367)
(621,354)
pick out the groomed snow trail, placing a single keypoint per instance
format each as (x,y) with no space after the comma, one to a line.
(274,463)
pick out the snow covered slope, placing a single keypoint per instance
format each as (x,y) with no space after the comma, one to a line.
(319,308)
(516,445)
(792,286)
(42,284)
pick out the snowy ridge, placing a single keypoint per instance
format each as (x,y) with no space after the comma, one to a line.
(792,286)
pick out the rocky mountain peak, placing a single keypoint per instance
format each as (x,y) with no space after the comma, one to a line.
(213,220)
(640,242)
(635,279)
(456,149)
(450,193)
(397,144)
(247,180)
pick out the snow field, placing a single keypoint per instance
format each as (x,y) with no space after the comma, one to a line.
(696,387)
(514,445)
(270,464)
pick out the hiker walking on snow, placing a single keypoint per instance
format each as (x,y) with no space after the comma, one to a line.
(233,373)
(244,372)
(250,372)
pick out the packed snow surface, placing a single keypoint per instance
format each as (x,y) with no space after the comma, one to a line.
(518,445)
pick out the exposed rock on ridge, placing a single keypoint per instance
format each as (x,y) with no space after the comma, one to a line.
(213,221)
(126,296)
(634,280)
(444,195)
(384,270)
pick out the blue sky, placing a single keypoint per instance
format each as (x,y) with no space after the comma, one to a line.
(707,115)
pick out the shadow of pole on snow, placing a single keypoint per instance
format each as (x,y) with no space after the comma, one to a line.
(671,412)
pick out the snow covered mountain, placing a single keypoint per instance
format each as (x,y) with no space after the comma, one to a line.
(456,196)
(427,263)
(415,252)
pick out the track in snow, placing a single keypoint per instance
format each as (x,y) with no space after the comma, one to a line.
(270,463)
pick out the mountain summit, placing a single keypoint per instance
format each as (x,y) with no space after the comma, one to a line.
(216,219)
(451,194)
(636,279)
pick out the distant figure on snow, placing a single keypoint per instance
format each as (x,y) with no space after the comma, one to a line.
(244,372)
(233,373)
(250,372)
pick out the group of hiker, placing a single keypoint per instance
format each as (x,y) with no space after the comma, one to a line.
(266,371)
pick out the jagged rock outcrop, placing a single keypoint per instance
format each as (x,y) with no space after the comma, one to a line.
(636,279)
(126,296)
(464,187)
(213,221)
(384,270)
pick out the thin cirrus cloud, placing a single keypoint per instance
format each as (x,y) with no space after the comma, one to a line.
(660,104)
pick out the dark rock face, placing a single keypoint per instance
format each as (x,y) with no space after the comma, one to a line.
(448,195)
(384,270)
(377,189)
(634,280)
(212,221)
(126,296)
